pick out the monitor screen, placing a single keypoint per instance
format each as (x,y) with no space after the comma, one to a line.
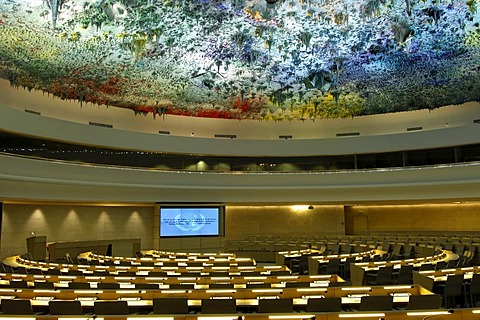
(189,221)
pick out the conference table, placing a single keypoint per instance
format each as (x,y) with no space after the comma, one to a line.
(246,299)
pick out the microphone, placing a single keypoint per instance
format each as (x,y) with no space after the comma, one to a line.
(439,314)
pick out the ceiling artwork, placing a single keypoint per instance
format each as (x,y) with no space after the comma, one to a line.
(240,59)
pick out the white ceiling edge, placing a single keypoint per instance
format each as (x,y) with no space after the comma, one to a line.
(125,120)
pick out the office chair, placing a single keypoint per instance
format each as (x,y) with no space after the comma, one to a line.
(324,305)
(170,306)
(16,306)
(108,285)
(428,301)
(215,306)
(275,305)
(147,286)
(376,303)
(18,284)
(65,307)
(43,285)
(79,285)
(221,286)
(111,308)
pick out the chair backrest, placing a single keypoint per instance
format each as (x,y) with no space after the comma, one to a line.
(170,306)
(78,285)
(54,272)
(376,303)
(280,273)
(16,306)
(405,274)
(65,307)
(424,301)
(275,305)
(454,280)
(111,308)
(212,306)
(157,274)
(384,275)
(258,285)
(324,305)
(333,266)
(453,285)
(34,271)
(475,284)
(108,285)
(43,285)
(148,286)
(182,286)
(18,284)
(221,286)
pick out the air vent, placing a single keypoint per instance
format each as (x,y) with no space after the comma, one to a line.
(348,134)
(164,132)
(227,136)
(98,124)
(33,112)
(286,137)
(414,128)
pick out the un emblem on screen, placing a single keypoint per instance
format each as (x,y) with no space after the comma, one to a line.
(190,221)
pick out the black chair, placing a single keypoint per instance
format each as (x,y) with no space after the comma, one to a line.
(65,307)
(43,285)
(303,264)
(18,284)
(280,273)
(258,285)
(427,301)
(182,286)
(157,273)
(108,285)
(324,305)
(54,272)
(16,306)
(221,286)
(345,268)
(404,275)
(34,271)
(332,267)
(474,290)
(79,285)
(452,289)
(213,306)
(170,306)
(147,286)
(384,276)
(376,303)
(427,266)
(111,308)
(275,305)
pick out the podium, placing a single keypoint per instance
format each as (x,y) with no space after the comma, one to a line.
(37,247)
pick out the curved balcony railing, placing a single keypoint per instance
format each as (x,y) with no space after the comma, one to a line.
(45,149)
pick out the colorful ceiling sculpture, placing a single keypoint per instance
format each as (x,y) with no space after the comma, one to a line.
(246,59)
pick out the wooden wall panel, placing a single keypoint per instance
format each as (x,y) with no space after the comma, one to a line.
(287,221)
(73,222)
(461,217)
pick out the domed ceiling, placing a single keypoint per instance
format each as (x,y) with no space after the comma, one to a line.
(239,59)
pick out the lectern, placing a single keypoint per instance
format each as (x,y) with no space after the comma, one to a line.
(36,247)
